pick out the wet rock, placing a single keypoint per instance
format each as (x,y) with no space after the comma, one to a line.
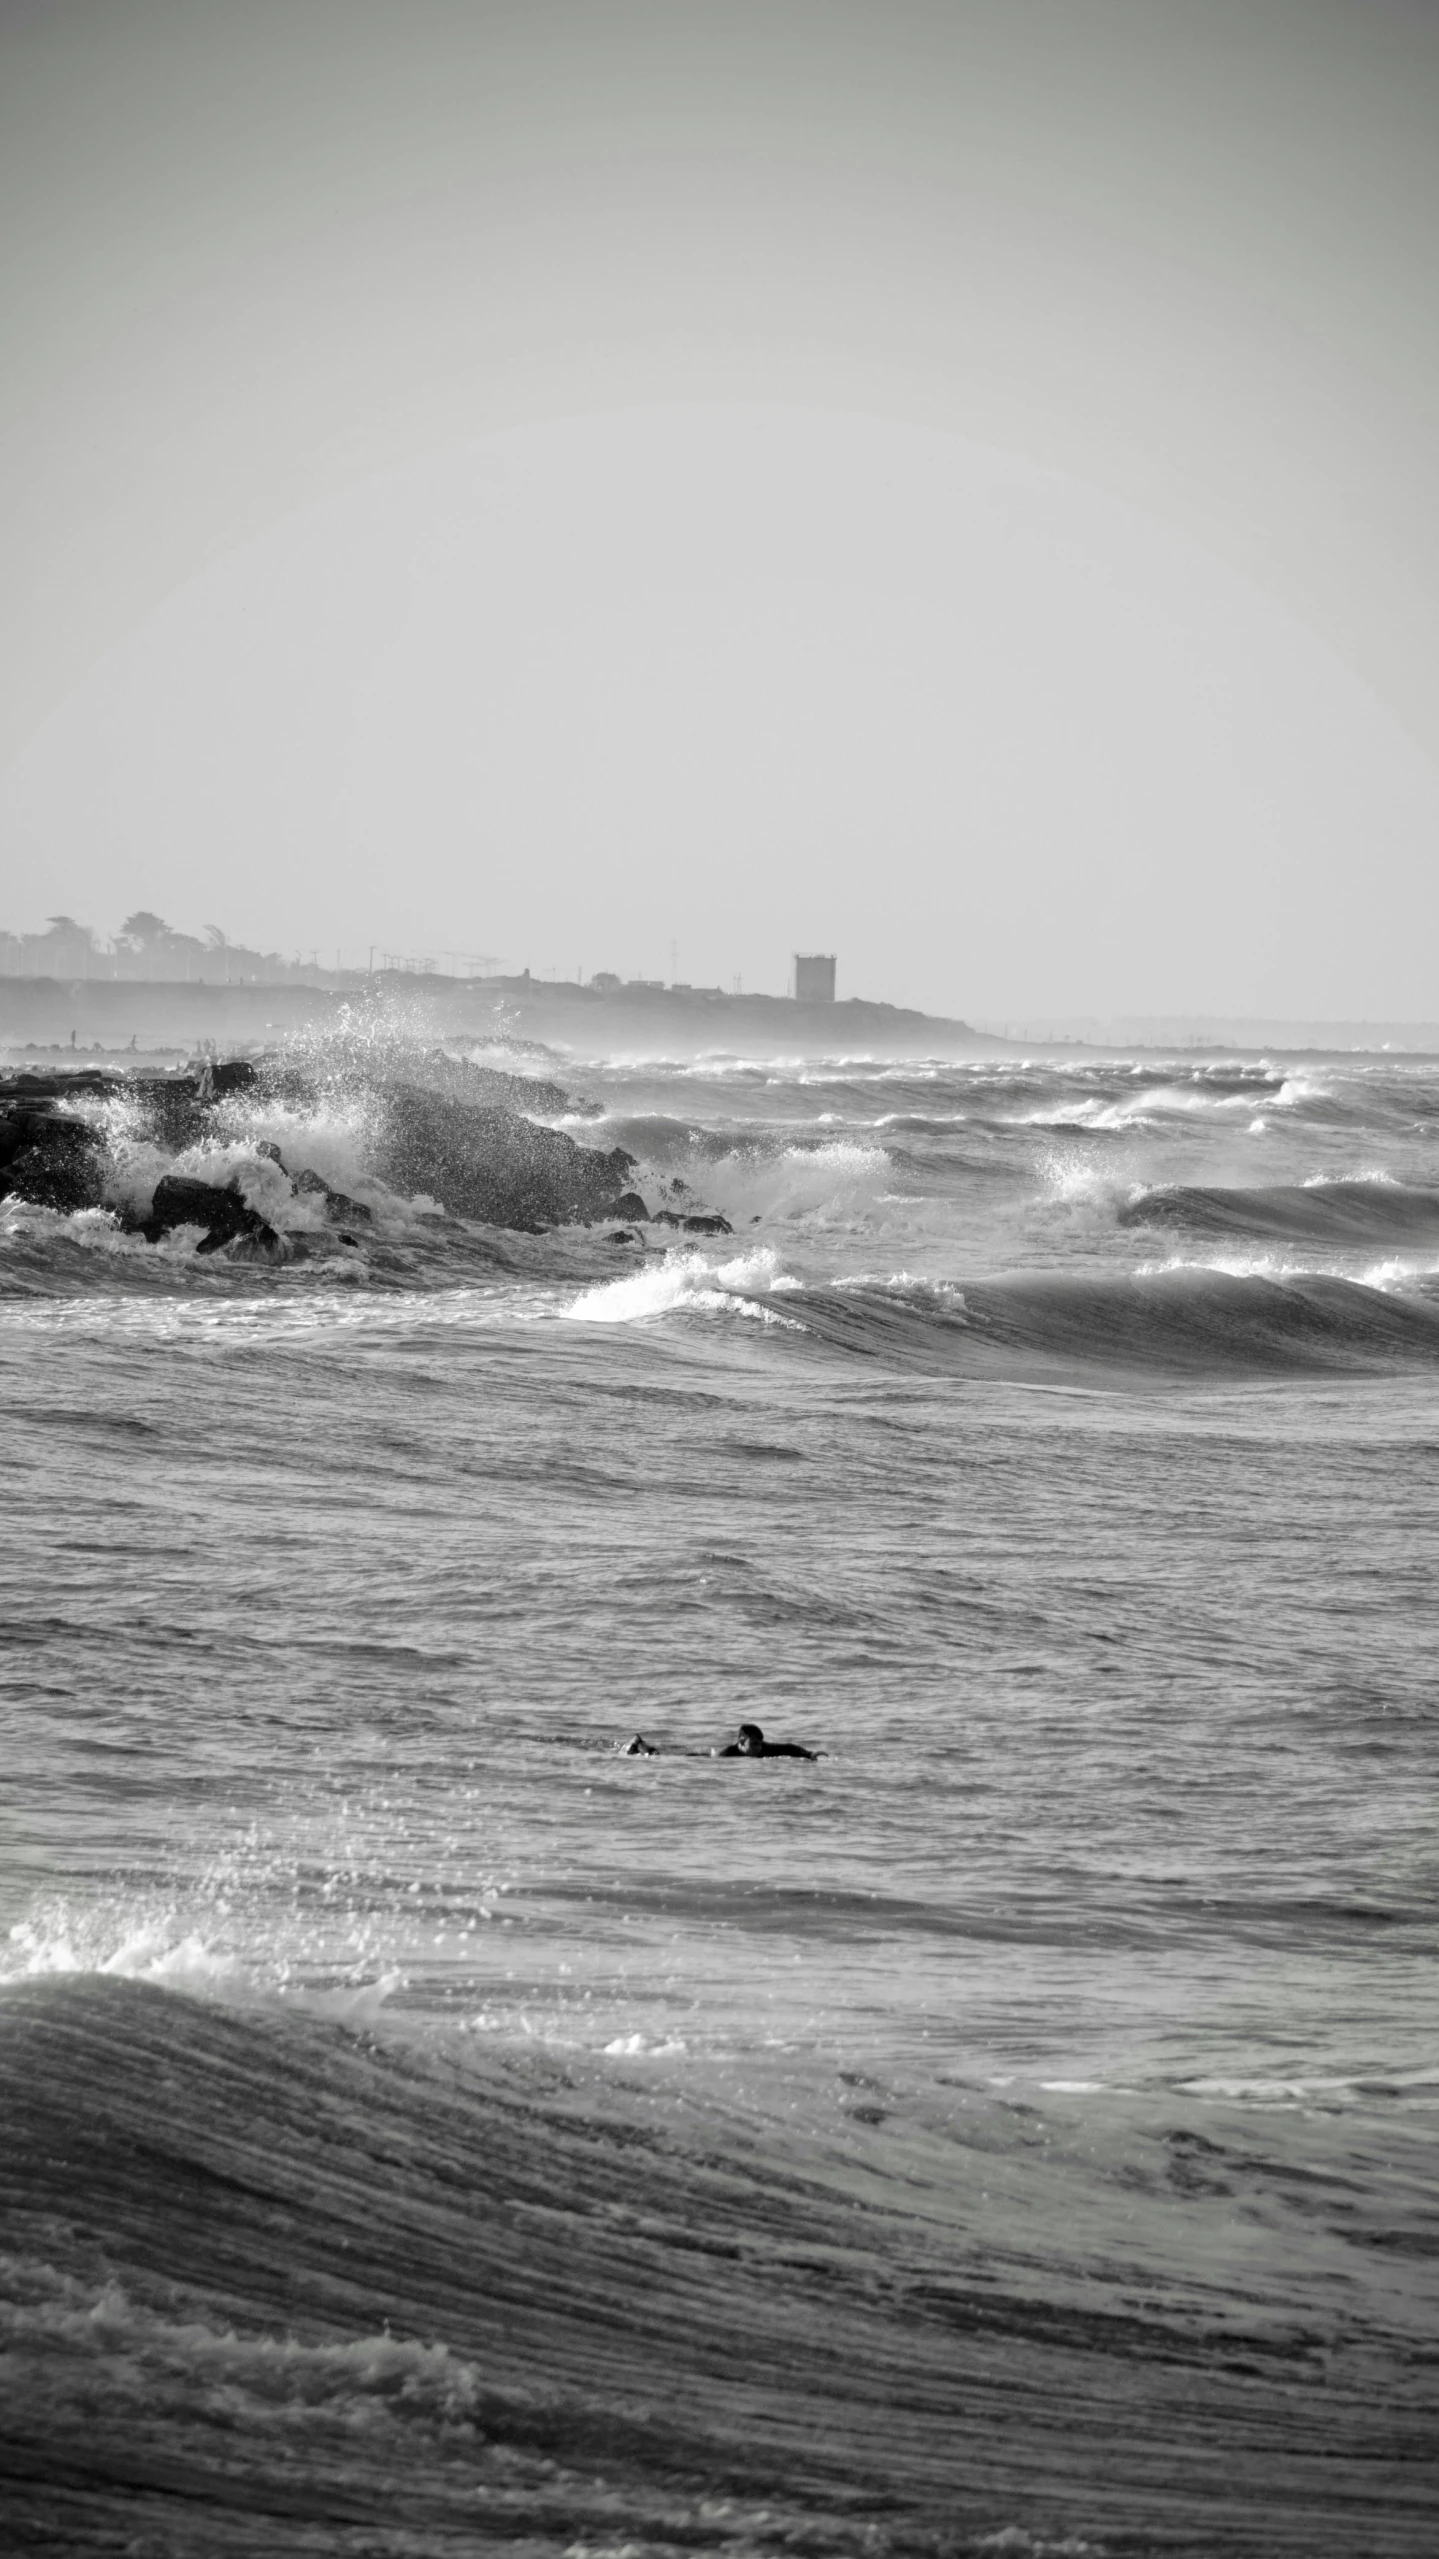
(489,1163)
(48,1158)
(692,1225)
(473,1151)
(224,1215)
(260,1244)
(47,1178)
(31,1083)
(338,1204)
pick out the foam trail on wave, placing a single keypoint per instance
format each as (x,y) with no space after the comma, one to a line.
(688,1283)
(168,1950)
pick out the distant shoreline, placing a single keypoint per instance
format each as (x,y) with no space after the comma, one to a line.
(161,1012)
(164,1014)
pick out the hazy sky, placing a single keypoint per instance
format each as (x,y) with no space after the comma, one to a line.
(953,484)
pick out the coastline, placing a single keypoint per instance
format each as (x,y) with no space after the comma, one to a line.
(665,1020)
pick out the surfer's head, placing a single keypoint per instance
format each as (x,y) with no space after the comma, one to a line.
(751,1738)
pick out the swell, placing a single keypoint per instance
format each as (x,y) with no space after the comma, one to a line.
(1323,1213)
(307,2286)
(1198,1323)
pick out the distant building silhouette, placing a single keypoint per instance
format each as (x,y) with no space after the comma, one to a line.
(814,977)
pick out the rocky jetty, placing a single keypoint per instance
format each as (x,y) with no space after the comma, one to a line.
(465,1141)
(53,1156)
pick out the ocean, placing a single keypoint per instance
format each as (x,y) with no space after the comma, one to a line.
(425,2129)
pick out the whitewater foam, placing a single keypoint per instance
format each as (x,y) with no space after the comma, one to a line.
(688,1283)
(166,1949)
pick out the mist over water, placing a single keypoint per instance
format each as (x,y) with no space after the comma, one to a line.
(1052,1444)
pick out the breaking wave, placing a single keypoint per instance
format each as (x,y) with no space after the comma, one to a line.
(1184,1322)
(688,1283)
(1333,1212)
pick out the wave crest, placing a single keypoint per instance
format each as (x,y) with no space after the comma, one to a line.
(1341,1212)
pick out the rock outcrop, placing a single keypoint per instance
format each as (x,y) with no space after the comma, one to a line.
(487,1162)
(340,1209)
(464,1141)
(224,1214)
(47,1156)
(692,1225)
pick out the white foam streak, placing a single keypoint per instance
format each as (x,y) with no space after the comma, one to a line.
(157,1947)
(47,2316)
(1393,1275)
(688,1283)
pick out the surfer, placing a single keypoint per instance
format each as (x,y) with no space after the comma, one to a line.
(752,1745)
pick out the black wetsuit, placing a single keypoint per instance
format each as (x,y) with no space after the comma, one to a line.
(765,1750)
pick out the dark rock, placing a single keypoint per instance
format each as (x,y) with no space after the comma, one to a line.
(629,1204)
(60,1087)
(46,1178)
(623,1235)
(694,1225)
(53,1159)
(224,1215)
(525,1093)
(487,1162)
(337,1203)
(259,1244)
(49,1158)
(159,1093)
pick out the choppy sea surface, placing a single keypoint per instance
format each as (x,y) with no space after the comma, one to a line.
(423,2129)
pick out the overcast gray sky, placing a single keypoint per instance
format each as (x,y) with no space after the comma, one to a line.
(953,483)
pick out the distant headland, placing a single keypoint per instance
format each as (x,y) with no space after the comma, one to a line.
(155,990)
(160,987)
(589,1019)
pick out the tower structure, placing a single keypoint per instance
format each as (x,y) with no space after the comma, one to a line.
(814,977)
